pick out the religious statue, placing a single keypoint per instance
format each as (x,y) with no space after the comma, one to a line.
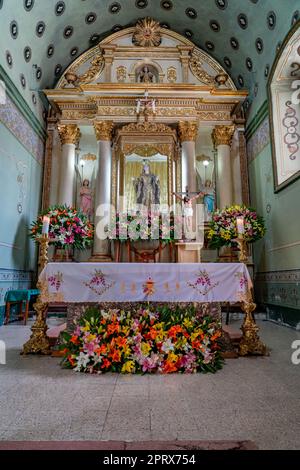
(208,192)
(188,211)
(147,187)
(145,76)
(86,198)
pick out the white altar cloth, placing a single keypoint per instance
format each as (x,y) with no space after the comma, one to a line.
(138,282)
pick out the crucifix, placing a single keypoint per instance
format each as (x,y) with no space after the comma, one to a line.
(187,198)
(147,104)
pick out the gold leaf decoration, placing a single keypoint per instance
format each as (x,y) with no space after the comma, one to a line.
(147,33)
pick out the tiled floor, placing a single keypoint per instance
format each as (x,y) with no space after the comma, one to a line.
(254,399)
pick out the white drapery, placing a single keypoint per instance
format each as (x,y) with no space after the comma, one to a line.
(138,282)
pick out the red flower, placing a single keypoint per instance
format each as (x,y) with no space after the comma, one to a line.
(105,364)
(74,340)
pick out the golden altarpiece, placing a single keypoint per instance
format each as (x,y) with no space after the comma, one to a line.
(144,96)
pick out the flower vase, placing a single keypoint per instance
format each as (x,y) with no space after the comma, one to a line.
(228,254)
(63,255)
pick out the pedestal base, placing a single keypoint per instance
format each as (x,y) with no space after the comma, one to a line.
(100,258)
(188,252)
(38,343)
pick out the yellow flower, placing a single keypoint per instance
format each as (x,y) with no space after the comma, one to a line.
(126,350)
(145,348)
(211,233)
(194,335)
(172,357)
(181,343)
(225,234)
(86,327)
(91,338)
(128,367)
(125,330)
(187,323)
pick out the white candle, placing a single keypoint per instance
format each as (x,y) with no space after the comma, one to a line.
(153,106)
(138,107)
(240,225)
(46,223)
(146,94)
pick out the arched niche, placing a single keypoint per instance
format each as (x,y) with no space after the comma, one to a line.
(153,67)
(284,100)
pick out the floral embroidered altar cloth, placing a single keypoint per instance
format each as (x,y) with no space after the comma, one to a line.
(139,282)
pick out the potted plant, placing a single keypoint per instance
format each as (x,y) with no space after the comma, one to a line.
(223,226)
(69,228)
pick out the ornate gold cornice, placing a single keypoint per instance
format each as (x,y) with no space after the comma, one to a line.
(198,70)
(69,133)
(147,128)
(222,135)
(188,131)
(103,130)
(147,150)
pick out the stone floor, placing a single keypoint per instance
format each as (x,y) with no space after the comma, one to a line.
(253,399)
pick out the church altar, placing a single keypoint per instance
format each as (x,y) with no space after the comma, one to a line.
(139,282)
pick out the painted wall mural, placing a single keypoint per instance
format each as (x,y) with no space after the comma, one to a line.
(17,124)
(284,96)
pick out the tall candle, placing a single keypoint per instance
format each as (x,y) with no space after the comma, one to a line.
(46,223)
(153,106)
(240,225)
(138,107)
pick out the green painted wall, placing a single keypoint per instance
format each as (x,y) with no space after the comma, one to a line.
(21,169)
(282,215)
(277,256)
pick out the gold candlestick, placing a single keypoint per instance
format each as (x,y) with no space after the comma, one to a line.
(250,342)
(243,253)
(39,342)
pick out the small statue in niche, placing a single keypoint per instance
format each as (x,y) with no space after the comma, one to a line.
(86,198)
(121,74)
(145,75)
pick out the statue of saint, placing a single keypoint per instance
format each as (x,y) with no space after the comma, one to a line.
(86,198)
(147,187)
(145,76)
(208,192)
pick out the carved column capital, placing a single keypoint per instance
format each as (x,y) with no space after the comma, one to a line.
(188,131)
(69,133)
(222,135)
(103,130)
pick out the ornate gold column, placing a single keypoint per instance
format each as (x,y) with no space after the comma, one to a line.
(69,136)
(109,52)
(222,138)
(103,130)
(185,59)
(48,163)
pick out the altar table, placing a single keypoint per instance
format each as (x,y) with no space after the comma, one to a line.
(130,282)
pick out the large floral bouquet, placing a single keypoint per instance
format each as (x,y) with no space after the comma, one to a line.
(146,341)
(68,227)
(124,226)
(223,226)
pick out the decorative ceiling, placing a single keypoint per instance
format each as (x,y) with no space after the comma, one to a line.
(40,38)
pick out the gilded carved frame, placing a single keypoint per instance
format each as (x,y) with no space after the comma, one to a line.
(145,139)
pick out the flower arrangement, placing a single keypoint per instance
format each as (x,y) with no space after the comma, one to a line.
(223,226)
(68,227)
(144,341)
(152,226)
